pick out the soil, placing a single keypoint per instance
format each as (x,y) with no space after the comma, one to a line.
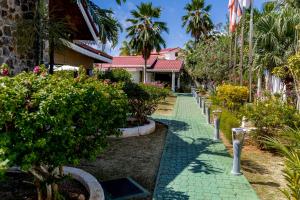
(136,157)
(262,169)
(19,186)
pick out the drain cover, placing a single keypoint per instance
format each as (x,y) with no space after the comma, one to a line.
(124,188)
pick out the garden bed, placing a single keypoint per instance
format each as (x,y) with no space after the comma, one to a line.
(137,157)
(19,186)
(262,169)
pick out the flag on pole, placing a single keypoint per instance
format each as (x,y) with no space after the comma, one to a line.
(236,9)
(232,6)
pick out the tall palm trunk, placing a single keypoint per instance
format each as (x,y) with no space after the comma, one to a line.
(242,48)
(251,51)
(145,71)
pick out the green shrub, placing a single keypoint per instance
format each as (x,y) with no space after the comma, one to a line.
(232,97)
(228,121)
(270,116)
(118,75)
(47,122)
(143,99)
(201,90)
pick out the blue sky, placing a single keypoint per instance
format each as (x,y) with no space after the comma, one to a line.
(172,11)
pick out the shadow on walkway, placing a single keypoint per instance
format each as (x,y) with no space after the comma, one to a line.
(185,156)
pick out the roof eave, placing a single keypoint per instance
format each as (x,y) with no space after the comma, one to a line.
(87,20)
(87,53)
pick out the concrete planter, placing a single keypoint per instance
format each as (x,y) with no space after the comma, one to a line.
(88,181)
(139,130)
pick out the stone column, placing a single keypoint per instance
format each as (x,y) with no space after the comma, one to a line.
(173,81)
(10,12)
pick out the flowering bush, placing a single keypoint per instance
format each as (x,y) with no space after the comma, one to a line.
(48,122)
(232,96)
(270,116)
(40,70)
(4,70)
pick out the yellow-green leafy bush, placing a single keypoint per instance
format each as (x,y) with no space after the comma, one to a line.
(232,97)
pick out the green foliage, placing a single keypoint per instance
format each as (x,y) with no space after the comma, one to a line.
(270,116)
(109,27)
(276,31)
(50,121)
(233,97)
(118,75)
(143,99)
(201,90)
(294,65)
(208,60)
(289,147)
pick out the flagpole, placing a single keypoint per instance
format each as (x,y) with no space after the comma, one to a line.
(251,33)
(242,46)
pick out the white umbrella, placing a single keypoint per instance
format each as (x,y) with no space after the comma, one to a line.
(66,68)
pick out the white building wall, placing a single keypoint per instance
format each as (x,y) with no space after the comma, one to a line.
(170,56)
(136,76)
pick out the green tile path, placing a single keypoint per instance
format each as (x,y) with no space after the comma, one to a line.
(193,166)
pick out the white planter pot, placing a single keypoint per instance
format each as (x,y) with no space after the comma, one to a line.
(88,181)
(139,130)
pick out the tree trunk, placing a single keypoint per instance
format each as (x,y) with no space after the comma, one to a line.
(38,189)
(145,71)
(51,55)
(49,192)
(242,48)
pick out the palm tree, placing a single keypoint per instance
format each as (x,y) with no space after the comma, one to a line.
(145,32)
(197,20)
(126,50)
(109,27)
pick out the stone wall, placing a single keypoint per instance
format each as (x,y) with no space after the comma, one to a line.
(10,11)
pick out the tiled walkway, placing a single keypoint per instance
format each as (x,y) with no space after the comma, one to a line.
(193,166)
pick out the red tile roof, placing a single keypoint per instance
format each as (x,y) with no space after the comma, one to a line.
(130,62)
(168,66)
(137,62)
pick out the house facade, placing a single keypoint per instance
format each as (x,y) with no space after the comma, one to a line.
(164,67)
(82,48)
